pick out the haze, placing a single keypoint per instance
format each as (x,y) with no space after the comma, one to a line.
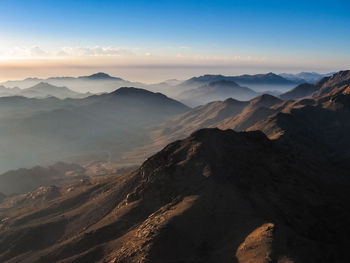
(151,41)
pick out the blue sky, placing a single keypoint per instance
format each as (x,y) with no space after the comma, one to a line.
(250,35)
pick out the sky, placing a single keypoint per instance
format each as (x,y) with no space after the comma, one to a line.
(150,41)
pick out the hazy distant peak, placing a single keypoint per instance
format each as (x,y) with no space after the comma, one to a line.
(44,86)
(100,76)
(32,79)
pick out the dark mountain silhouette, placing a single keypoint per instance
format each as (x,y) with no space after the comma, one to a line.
(217,90)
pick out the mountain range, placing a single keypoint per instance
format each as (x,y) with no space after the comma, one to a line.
(262,180)
(42,90)
(305,77)
(51,129)
(194,91)
(214,91)
(102,82)
(95,83)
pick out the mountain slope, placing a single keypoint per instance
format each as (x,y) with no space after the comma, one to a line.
(302,90)
(319,88)
(257,109)
(321,123)
(226,196)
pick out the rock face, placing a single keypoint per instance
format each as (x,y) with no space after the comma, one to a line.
(216,196)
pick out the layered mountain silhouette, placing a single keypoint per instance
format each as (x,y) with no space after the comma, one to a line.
(102,82)
(214,91)
(50,129)
(95,83)
(305,77)
(42,90)
(228,114)
(269,79)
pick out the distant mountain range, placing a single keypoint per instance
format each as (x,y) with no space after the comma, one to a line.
(102,82)
(214,91)
(52,129)
(305,77)
(267,79)
(42,90)
(95,83)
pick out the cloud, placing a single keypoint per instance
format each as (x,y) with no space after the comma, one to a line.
(34,51)
(93,51)
(38,52)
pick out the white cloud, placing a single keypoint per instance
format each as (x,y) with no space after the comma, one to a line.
(94,51)
(38,52)
(35,51)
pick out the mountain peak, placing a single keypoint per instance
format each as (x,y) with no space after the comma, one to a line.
(266,100)
(131,91)
(100,76)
